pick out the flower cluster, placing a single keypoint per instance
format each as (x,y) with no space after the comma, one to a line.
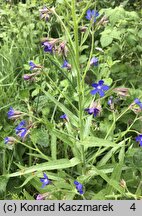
(21,130)
(92,15)
(99,88)
(14,114)
(45,181)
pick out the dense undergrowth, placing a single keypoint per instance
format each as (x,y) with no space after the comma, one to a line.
(70,100)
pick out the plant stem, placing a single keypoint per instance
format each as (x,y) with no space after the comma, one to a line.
(79,86)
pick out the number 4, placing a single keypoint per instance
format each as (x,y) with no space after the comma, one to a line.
(133,207)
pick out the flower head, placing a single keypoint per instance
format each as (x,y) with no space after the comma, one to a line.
(39,197)
(93,111)
(9,140)
(62,49)
(66,65)
(110,100)
(47,47)
(92,14)
(123,92)
(138,102)
(79,187)
(32,65)
(99,88)
(44,13)
(20,130)
(139,139)
(45,180)
(30,76)
(94,61)
(63,116)
(13,114)
(42,196)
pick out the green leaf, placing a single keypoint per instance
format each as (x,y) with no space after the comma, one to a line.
(137,158)
(27,195)
(24,93)
(54,165)
(35,92)
(110,181)
(97,142)
(106,40)
(40,137)
(3,183)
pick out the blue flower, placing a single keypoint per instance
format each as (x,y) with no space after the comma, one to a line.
(10,113)
(99,88)
(47,47)
(79,187)
(139,139)
(137,101)
(32,64)
(6,140)
(20,125)
(110,101)
(92,14)
(13,114)
(44,180)
(20,130)
(93,111)
(66,65)
(94,61)
(9,140)
(44,13)
(64,116)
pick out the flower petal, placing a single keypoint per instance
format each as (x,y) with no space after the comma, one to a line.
(101,93)
(95,85)
(105,87)
(94,91)
(101,82)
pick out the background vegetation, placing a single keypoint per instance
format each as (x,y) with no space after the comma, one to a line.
(99,152)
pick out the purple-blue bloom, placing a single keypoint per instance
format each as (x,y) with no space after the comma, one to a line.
(79,187)
(20,125)
(92,14)
(64,116)
(110,101)
(10,113)
(44,13)
(137,101)
(32,64)
(20,130)
(93,111)
(99,88)
(6,140)
(13,114)
(139,139)
(39,197)
(94,61)
(9,140)
(45,180)
(66,65)
(47,47)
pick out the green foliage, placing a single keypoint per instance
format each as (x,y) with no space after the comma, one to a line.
(100,152)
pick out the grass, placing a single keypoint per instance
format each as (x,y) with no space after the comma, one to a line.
(99,152)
